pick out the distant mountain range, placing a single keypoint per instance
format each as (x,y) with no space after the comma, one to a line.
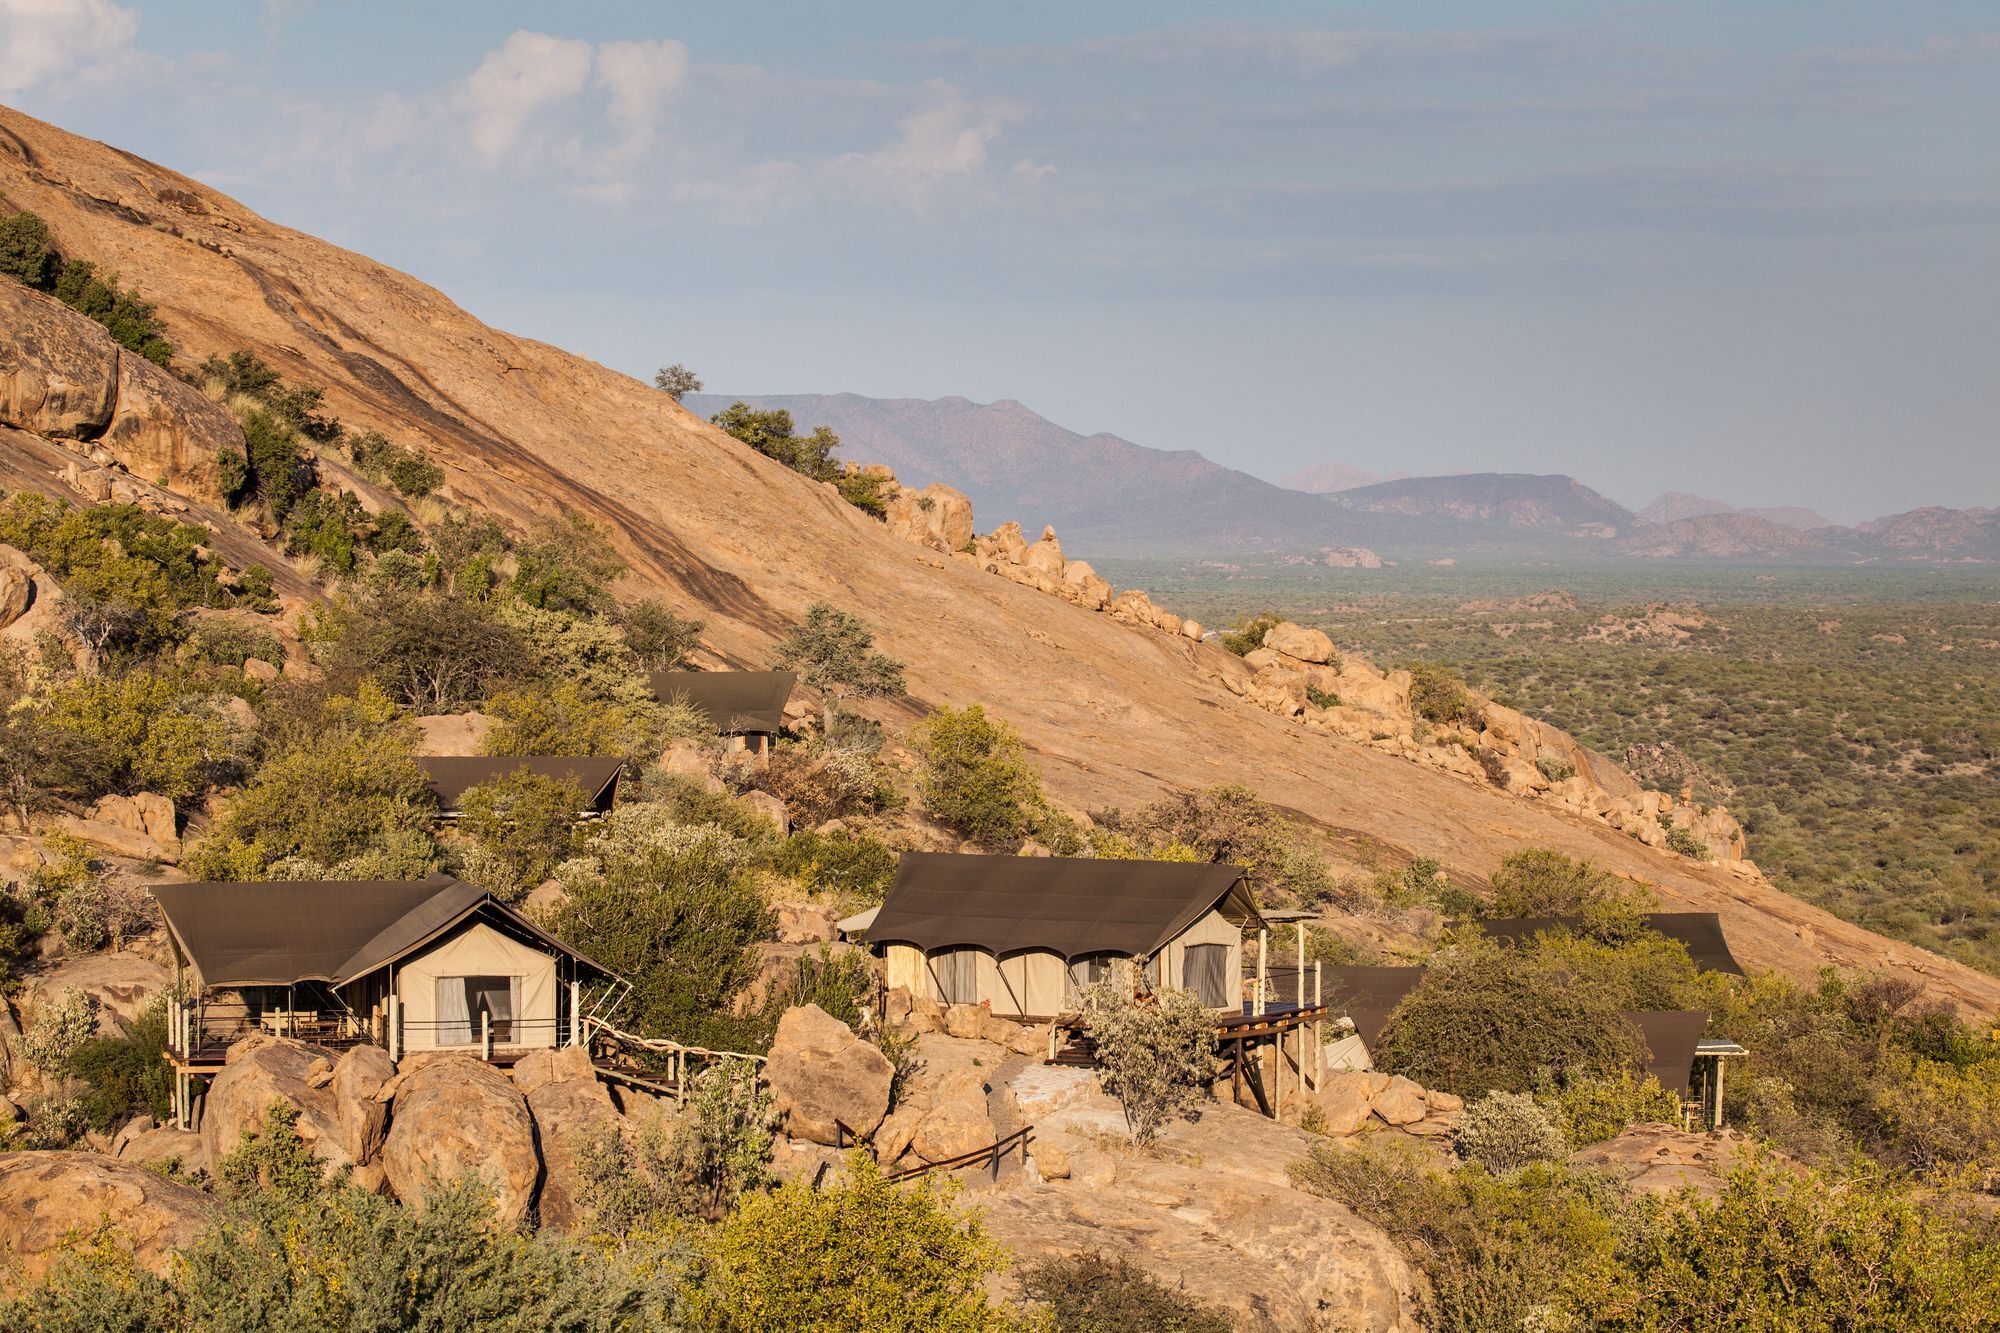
(1108,496)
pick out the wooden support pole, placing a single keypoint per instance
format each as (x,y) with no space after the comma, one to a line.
(1715,1120)
(1263,967)
(575,1013)
(486,1034)
(1299,982)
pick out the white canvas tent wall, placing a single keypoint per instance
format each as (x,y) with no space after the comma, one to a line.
(477,951)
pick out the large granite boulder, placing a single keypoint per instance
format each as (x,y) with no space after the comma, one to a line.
(47,1198)
(456,1115)
(1295,641)
(261,1070)
(360,1116)
(58,369)
(122,984)
(572,1109)
(820,1073)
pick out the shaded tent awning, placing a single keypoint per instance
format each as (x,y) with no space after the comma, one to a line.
(284,932)
(1069,905)
(450,776)
(1672,1036)
(1368,995)
(738,702)
(1701,932)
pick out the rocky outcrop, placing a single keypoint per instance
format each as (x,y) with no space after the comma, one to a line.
(1211,1211)
(823,1077)
(67,381)
(37,605)
(262,1070)
(149,1144)
(1663,1159)
(936,516)
(456,1115)
(571,1110)
(48,1199)
(119,983)
(361,1117)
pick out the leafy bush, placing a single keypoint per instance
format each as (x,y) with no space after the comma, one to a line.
(1438,696)
(675,380)
(433,652)
(331,527)
(1229,824)
(839,983)
(78,900)
(567,564)
(278,471)
(1687,843)
(1156,1056)
(59,1032)
(1486,1019)
(588,653)
(974,776)
(524,824)
(230,643)
(664,905)
(27,252)
(1592,1110)
(1248,637)
(1555,769)
(1533,1248)
(1504,1131)
(818,782)
(140,732)
(695,1166)
(834,653)
(772,435)
(567,719)
(1544,882)
(854,868)
(1798,1251)
(1320,698)
(862,1254)
(1097,1293)
(381,459)
(864,492)
(658,638)
(127,1075)
(346,797)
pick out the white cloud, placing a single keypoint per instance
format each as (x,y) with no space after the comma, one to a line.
(639,76)
(529,73)
(45,40)
(934,145)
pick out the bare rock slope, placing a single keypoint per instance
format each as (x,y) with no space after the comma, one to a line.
(1115,713)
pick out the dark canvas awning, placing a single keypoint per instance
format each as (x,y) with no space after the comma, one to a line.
(738,702)
(450,776)
(1671,1037)
(1701,932)
(284,932)
(1368,995)
(1070,905)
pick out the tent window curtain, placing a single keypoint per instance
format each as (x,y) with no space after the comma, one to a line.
(957,975)
(463,1001)
(1204,969)
(1088,972)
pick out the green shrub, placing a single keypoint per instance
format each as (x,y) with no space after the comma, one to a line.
(1097,1293)
(1497,1019)
(839,983)
(772,435)
(331,527)
(567,564)
(1230,824)
(1592,1110)
(665,906)
(588,653)
(834,653)
(433,652)
(1248,637)
(1555,769)
(345,796)
(1532,1248)
(863,492)
(1544,882)
(1687,842)
(658,638)
(127,1075)
(523,825)
(818,782)
(1440,697)
(567,718)
(230,643)
(974,776)
(861,1254)
(716,1148)
(27,252)
(141,732)
(853,867)
(1505,1131)
(1320,698)
(1792,1250)
(381,459)
(279,472)
(1157,1057)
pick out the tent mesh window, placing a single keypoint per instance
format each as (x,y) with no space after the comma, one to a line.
(462,1003)
(957,975)
(1205,968)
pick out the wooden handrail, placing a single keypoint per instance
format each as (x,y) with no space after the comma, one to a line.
(992,1153)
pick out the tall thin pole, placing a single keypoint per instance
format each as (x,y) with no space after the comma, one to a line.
(1263,967)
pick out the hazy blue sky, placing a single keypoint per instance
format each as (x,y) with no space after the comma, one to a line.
(1748,248)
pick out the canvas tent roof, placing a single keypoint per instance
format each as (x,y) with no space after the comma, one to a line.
(1368,994)
(1672,1036)
(1070,905)
(1701,932)
(276,934)
(450,776)
(736,701)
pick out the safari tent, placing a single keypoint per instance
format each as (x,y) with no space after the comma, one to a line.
(747,707)
(411,965)
(1701,932)
(451,776)
(1025,934)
